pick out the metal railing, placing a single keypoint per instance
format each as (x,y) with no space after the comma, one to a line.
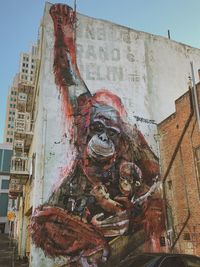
(20,164)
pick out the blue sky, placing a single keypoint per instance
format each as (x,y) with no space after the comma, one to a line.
(20,20)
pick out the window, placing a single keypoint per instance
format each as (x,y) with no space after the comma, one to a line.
(21,116)
(4,204)
(4,184)
(186,236)
(7,139)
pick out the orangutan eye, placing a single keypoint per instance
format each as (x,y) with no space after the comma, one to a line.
(112,132)
(97,127)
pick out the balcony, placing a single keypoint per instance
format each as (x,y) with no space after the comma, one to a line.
(22,102)
(25,97)
(20,166)
(23,123)
(15,188)
(24,128)
(18,146)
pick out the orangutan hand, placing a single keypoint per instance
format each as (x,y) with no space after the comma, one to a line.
(114,225)
(60,233)
(103,199)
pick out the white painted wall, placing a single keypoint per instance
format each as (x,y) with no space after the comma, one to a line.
(147,72)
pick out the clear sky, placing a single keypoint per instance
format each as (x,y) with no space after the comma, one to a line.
(19,22)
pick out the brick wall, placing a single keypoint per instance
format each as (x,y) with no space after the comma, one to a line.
(182,184)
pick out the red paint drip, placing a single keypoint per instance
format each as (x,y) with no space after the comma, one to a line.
(154,224)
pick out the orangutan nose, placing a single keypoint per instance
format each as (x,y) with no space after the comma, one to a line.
(103,137)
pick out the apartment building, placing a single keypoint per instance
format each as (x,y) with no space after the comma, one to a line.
(27,66)
(18,133)
(26,76)
(10,111)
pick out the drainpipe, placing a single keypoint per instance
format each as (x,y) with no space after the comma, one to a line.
(195,98)
(175,153)
(187,201)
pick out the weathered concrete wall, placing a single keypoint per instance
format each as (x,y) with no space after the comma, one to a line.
(147,73)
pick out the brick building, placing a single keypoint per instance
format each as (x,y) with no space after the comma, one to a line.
(180,169)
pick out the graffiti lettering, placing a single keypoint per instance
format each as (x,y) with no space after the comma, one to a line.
(92,53)
(101,34)
(103,54)
(144,120)
(115,54)
(94,32)
(126,36)
(133,77)
(130,55)
(100,73)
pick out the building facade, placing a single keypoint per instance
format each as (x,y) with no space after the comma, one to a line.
(5,203)
(18,133)
(28,64)
(27,74)
(123,84)
(10,112)
(179,149)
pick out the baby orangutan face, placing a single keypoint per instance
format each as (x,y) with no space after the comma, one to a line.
(130,178)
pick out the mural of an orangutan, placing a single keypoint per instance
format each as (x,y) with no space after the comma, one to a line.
(110,188)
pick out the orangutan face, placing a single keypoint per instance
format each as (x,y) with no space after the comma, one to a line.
(104,133)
